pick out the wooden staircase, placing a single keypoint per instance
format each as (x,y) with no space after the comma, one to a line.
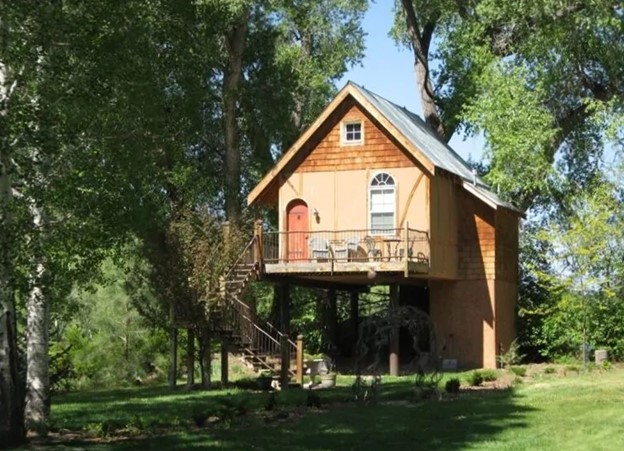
(260,343)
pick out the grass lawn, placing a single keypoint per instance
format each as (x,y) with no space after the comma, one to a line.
(546,411)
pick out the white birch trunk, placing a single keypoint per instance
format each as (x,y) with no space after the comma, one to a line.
(37,338)
(11,402)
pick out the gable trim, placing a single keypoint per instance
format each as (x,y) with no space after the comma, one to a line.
(272,176)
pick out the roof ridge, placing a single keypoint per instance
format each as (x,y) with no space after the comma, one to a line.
(427,128)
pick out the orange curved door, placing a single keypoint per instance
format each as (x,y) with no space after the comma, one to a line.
(297,227)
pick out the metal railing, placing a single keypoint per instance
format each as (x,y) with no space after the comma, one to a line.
(259,337)
(362,245)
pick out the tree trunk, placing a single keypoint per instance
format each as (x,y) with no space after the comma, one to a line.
(12,430)
(205,349)
(190,357)
(37,337)
(173,350)
(420,38)
(235,44)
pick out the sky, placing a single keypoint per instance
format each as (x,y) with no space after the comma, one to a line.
(388,70)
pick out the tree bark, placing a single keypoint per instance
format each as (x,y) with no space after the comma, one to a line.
(37,337)
(235,44)
(205,349)
(12,431)
(173,350)
(190,357)
(420,41)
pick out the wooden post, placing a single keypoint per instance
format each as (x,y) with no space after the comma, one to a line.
(206,358)
(300,360)
(190,357)
(224,365)
(173,349)
(355,318)
(406,247)
(285,363)
(258,242)
(284,298)
(394,334)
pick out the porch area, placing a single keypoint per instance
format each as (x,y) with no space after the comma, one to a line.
(329,252)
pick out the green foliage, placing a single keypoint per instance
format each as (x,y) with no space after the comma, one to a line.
(426,385)
(518,370)
(550,370)
(106,343)
(606,365)
(475,378)
(511,357)
(452,385)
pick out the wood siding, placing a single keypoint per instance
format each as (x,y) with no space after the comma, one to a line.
(443,210)
(476,238)
(377,151)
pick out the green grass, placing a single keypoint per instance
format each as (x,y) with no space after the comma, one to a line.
(572,412)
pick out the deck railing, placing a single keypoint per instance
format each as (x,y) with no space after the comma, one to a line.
(364,245)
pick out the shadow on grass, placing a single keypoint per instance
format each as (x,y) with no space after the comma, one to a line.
(393,423)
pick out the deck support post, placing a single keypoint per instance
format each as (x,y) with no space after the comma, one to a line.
(332,322)
(284,298)
(299,360)
(285,362)
(394,333)
(173,350)
(354,303)
(225,370)
(190,357)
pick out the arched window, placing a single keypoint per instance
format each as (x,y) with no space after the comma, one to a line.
(382,204)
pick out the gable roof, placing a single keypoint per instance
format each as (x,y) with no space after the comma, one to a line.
(409,129)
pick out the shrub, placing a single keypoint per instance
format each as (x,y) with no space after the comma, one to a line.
(426,385)
(511,357)
(549,370)
(489,375)
(572,368)
(518,370)
(606,365)
(475,379)
(452,385)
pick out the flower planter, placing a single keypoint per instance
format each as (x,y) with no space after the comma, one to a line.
(328,380)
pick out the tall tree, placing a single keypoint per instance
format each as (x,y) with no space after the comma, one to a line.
(531,76)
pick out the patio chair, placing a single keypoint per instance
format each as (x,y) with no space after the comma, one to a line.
(319,249)
(371,246)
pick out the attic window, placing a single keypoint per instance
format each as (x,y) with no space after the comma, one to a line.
(352,133)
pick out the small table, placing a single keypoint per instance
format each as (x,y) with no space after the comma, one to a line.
(389,240)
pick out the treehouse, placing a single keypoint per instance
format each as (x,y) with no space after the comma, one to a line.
(368,195)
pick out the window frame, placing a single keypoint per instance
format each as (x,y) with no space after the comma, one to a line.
(343,133)
(379,188)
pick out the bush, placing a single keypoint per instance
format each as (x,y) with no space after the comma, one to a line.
(550,370)
(426,385)
(518,370)
(606,365)
(489,375)
(475,379)
(452,385)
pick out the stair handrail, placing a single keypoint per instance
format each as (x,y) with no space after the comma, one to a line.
(257,319)
(240,257)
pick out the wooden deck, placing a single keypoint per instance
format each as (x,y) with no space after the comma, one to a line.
(338,267)
(344,254)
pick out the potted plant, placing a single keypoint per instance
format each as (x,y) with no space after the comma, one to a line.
(264,380)
(328,380)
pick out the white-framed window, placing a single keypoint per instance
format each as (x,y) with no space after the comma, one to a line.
(382,204)
(352,132)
